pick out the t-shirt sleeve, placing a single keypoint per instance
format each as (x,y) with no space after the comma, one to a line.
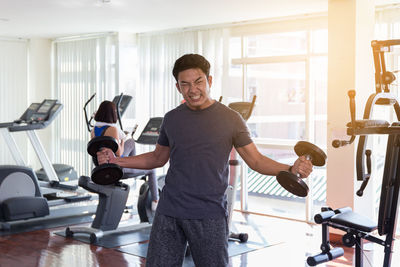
(242,133)
(163,138)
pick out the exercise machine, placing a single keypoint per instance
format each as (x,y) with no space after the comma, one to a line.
(36,117)
(20,196)
(245,109)
(113,193)
(357,227)
(121,102)
(23,197)
(148,136)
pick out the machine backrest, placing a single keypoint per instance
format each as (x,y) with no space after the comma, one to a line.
(244,108)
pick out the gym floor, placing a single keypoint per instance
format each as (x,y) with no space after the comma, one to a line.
(294,241)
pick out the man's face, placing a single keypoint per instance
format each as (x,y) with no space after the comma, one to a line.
(194,86)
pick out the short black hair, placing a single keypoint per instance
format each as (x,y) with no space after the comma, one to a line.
(107,112)
(191,61)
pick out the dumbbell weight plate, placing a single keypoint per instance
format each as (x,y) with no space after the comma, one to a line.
(318,156)
(97,143)
(292,183)
(106,174)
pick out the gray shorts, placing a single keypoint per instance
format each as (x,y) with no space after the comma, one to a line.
(207,238)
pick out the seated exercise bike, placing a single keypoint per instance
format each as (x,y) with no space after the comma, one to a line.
(105,180)
(357,227)
(148,136)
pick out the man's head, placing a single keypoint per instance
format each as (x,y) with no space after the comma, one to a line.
(191,61)
(193,80)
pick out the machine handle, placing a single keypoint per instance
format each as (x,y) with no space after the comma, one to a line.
(338,143)
(118,112)
(86,115)
(364,184)
(324,257)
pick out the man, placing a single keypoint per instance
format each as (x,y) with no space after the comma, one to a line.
(196,138)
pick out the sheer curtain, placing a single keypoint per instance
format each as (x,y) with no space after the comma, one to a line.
(13,90)
(82,67)
(156,56)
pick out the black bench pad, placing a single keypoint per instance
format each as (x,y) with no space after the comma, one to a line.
(354,220)
(369,123)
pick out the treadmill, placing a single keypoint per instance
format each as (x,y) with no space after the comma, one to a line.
(61,197)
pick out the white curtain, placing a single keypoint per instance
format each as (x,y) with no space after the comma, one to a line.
(82,68)
(13,90)
(156,57)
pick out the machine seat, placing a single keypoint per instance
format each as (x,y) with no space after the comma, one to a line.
(21,208)
(355,221)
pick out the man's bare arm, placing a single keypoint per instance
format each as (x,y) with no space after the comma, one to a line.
(150,160)
(265,165)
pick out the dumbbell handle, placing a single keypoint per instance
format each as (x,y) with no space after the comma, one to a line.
(308,157)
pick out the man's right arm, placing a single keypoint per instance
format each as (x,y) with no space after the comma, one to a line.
(151,160)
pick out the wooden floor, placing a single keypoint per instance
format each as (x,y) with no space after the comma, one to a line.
(293,241)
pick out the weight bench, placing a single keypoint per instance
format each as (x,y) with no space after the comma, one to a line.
(358,227)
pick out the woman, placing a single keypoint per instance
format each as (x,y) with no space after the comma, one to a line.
(106,119)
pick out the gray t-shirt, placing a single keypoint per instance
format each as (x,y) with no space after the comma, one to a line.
(200,143)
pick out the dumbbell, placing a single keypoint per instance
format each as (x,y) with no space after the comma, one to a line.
(294,183)
(108,173)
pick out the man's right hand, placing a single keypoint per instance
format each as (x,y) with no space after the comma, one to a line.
(105,156)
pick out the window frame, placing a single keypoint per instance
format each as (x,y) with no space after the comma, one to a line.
(304,23)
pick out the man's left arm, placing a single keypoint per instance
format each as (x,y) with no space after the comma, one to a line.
(265,165)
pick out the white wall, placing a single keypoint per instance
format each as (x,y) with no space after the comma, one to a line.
(13,93)
(350,67)
(39,88)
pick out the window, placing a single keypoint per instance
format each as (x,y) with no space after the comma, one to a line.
(287,70)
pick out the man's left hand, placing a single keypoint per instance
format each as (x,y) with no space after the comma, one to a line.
(302,166)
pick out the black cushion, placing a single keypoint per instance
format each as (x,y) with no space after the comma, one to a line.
(25,207)
(354,220)
(369,123)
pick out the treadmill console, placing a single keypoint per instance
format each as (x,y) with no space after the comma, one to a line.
(42,113)
(151,131)
(124,103)
(28,113)
(37,116)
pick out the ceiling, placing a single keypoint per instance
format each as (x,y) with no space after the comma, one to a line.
(56,18)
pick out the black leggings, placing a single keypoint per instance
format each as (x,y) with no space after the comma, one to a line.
(130,150)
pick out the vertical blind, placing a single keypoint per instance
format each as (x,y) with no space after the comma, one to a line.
(13,90)
(82,68)
(156,58)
